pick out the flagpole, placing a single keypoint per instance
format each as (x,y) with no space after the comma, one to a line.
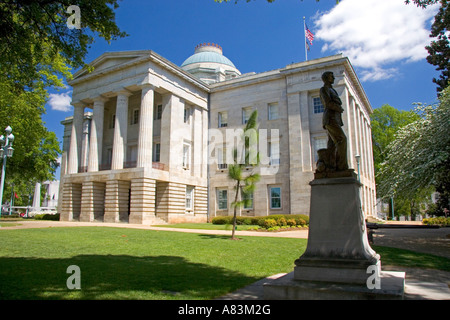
(304,34)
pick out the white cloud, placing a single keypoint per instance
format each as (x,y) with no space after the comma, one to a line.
(60,101)
(376,35)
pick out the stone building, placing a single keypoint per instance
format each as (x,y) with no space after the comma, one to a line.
(142,145)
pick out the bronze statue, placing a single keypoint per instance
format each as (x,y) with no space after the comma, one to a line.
(334,158)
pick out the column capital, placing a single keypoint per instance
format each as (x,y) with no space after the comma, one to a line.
(100,98)
(147,86)
(78,104)
(124,92)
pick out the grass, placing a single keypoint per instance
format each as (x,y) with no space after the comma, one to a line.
(8,224)
(206,226)
(118,263)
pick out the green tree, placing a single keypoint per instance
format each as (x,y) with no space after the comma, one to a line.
(37,51)
(420,154)
(35,148)
(249,157)
(386,121)
(32,31)
(439,49)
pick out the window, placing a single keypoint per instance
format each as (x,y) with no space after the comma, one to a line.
(157,152)
(135,117)
(158,112)
(186,155)
(317,105)
(187,114)
(246,112)
(248,200)
(189,197)
(273,111)
(275,197)
(222,199)
(223,119)
(221,157)
(274,152)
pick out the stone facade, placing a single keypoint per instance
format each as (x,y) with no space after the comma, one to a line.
(290,116)
(135,149)
(142,144)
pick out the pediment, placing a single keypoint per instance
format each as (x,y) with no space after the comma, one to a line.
(112,60)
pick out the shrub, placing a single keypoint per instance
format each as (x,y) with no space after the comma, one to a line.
(291,222)
(269,223)
(299,217)
(47,216)
(280,220)
(243,221)
(222,220)
(441,221)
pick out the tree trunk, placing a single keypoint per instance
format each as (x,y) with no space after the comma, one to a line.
(234,215)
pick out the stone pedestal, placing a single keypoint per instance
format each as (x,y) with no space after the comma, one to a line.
(338,261)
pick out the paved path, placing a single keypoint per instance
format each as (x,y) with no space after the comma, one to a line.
(303,234)
(420,283)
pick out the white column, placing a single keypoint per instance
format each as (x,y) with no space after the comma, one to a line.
(85,143)
(306,150)
(120,130)
(171,135)
(197,147)
(37,197)
(346,118)
(96,141)
(75,138)
(145,140)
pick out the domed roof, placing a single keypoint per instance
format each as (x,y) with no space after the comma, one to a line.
(208,53)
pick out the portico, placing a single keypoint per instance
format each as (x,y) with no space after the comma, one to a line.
(137,170)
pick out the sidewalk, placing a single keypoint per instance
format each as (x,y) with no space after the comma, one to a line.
(420,284)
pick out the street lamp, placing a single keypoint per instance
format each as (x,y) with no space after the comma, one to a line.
(6,151)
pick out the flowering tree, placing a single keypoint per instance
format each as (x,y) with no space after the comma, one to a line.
(420,154)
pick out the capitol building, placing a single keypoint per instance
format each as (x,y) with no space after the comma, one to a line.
(149,140)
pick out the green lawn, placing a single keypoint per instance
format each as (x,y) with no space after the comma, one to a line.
(118,263)
(206,226)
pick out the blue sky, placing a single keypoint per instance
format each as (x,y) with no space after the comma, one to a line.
(384,40)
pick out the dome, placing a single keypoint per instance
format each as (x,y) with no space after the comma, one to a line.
(211,53)
(209,64)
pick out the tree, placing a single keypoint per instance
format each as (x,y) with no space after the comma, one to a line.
(439,49)
(35,148)
(386,121)
(245,183)
(420,154)
(37,51)
(32,31)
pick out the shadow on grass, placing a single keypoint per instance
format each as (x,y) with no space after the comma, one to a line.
(116,277)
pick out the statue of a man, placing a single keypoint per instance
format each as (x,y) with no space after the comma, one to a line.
(332,122)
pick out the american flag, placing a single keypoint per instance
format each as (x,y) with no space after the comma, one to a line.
(309,35)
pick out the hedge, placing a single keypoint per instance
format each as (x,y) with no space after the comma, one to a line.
(441,221)
(279,220)
(47,216)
